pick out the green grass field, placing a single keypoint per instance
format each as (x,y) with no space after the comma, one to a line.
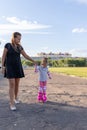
(77,71)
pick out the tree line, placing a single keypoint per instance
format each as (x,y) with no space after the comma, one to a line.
(65,62)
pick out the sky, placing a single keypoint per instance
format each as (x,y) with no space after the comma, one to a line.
(46,25)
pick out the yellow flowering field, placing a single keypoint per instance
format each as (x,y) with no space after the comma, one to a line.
(77,71)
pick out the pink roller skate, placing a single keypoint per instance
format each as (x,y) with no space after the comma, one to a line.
(40,96)
(44,97)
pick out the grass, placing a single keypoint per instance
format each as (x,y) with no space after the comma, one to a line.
(76,71)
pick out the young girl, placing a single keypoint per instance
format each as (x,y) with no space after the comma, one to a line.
(43,72)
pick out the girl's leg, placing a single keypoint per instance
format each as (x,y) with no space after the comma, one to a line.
(11,90)
(44,92)
(17,80)
(40,92)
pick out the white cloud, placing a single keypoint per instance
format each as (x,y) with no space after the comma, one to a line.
(2,41)
(78,52)
(79,30)
(44,48)
(35,32)
(81,1)
(78,1)
(15,24)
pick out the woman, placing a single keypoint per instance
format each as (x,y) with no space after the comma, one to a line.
(12,67)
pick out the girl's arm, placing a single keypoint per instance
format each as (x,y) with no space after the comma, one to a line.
(27,56)
(3,59)
(49,75)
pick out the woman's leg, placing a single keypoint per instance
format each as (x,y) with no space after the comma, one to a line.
(17,80)
(11,90)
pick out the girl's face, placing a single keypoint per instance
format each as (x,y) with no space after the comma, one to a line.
(17,39)
(44,63)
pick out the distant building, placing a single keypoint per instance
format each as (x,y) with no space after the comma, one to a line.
(53,56)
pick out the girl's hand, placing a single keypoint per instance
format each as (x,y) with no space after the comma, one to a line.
(35,63)
(50,78)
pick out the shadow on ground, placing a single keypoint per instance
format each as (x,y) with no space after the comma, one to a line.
(39,116)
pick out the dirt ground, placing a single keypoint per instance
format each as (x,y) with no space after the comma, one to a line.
(66,108)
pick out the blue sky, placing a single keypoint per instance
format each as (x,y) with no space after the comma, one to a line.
(46,25)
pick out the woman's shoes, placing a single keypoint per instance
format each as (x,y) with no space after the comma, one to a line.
(12,108)
(16,101)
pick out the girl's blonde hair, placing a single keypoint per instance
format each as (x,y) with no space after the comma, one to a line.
(14,35)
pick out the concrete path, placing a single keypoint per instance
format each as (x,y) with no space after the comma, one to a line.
(66,108)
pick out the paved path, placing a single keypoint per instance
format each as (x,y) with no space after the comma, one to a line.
(66,108)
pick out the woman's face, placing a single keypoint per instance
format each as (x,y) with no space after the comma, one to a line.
(17,39)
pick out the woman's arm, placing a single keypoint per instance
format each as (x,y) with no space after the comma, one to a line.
(4,56)
(27,56)
(3,59)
